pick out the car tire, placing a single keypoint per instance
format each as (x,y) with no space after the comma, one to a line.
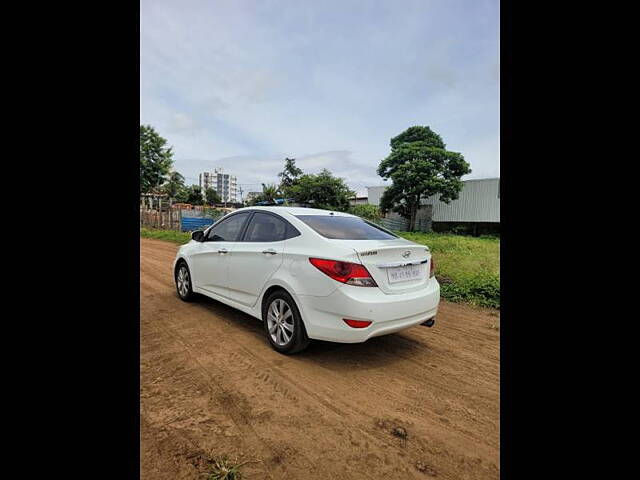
(280,315)
(183,282)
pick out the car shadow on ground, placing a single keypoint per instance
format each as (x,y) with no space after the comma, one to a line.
(373,353)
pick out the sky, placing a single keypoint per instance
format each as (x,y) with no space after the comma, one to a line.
(240,85)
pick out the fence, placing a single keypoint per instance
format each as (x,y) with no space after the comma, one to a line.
(190,224)
(166,218)
(423,225)
(189,220)
(395,223)
(402,224)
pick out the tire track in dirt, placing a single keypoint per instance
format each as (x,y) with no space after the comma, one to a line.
(230,399)
(231,402)
(325,413)
(381,391)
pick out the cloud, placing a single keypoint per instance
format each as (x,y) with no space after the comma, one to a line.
(244,84)
(181,122)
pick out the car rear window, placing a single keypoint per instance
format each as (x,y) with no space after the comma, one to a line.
(346,228)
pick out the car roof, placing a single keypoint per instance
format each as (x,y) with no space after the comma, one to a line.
(295,211)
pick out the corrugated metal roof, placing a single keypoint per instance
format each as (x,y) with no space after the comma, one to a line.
(478,201)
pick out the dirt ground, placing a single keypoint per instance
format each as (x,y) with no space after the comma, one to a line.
(418,404)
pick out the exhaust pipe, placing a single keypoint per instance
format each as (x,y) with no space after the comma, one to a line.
(429,323)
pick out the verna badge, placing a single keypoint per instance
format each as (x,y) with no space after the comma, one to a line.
(407,254)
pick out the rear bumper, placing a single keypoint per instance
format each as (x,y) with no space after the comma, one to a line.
(388,313)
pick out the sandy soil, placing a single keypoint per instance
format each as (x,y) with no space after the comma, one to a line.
(211,385)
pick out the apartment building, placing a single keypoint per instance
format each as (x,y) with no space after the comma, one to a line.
(224,184)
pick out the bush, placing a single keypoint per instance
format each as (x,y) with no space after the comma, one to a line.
(467,268)
(481,289)
(370,212)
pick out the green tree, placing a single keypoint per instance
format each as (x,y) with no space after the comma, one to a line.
(420,166)
(155,159)
(290,174)
(370,212)
(269,192)
(322,190)
(182,195)
(254,200)
(211,196)
(175,183)
(194,195)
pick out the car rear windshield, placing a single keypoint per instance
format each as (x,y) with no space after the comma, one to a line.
(346,228)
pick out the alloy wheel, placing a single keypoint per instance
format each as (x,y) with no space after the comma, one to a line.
(183,281)
(280,322)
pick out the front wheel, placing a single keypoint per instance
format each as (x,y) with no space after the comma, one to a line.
(183,283)
(283,324)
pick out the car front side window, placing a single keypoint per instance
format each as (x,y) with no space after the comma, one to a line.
(265,228)
(228,230)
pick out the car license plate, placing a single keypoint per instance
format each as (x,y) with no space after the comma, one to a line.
(404,274)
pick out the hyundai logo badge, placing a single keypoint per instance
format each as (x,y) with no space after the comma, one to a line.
(406,254)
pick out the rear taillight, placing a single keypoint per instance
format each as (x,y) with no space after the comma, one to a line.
(345,272)
(432,267)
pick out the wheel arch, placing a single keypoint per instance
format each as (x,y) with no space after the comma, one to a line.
(269,290)
(279,285)
(177,263)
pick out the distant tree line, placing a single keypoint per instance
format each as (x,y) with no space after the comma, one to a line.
(418,165)
(321,190)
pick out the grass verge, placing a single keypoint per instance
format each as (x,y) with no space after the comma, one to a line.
(166,235)
(468,268)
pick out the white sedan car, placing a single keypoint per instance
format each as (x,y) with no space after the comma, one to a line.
(310,274)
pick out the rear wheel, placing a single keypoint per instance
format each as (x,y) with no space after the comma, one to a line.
(183,283)
(283,324)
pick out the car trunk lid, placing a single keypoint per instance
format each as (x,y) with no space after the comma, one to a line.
(397,266)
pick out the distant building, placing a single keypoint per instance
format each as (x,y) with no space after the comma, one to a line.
(252,195)
(224,184)
(477,208)
(358,200)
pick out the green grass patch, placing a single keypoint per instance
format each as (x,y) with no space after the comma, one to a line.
(166,235)
(468,268)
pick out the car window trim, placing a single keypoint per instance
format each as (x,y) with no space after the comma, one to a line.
(279,217)
(244,228)
(226,218)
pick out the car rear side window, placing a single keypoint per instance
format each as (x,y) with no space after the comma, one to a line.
(346,228)
(268,228)
(228,230)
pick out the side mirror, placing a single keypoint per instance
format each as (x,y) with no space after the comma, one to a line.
(198,236)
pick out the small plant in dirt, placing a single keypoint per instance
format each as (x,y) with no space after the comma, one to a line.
(225,469)
(399,432)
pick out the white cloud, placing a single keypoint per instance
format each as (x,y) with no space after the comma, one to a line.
(243,84)
(182,122)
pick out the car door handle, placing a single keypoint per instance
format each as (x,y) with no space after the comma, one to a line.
(269,251)
(222,250)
